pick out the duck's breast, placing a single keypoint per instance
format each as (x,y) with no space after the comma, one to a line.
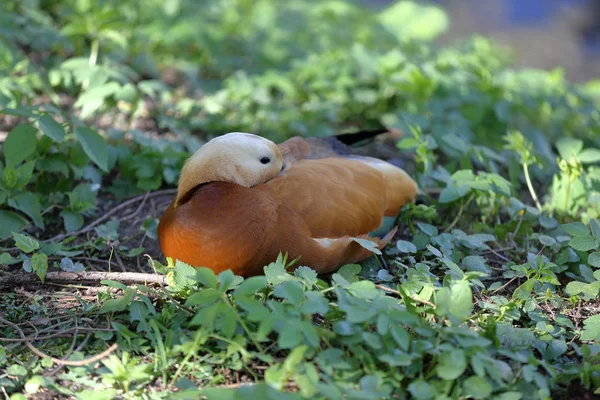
(222,226)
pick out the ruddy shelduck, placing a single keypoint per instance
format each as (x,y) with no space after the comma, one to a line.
(241,200)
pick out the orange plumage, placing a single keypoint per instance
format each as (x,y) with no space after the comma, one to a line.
(242,200)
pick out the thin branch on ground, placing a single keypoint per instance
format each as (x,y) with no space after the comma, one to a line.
(88,276)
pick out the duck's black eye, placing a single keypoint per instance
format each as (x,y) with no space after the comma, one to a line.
(265,160)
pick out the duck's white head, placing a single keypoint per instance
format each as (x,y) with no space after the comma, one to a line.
(240,158)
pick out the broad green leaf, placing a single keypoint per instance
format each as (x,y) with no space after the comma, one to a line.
(594,259)
(569,147)
(249,287)
(39,264)
(19,144)
(118,304)
(51,128)
(591,330)
(477,387)
(71,220)
(34,383)
(203,297)
(589,156)
(206,277)
(94,146)
(413,20)
(462,300)
(576,229)
(584,243)
(523,292)
(23,174)
(367,244)
(547,240)
(29,204)
(453,192)
(595,228)
(451,364)
(292,291)
(227,280)
(183,275)
(406,247)
(350,272)
(10,222)
(422,390)
(307,274)
(401,336)
(25,242)
(427,229)
(5,259)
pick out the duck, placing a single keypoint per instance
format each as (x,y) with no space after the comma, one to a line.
(243,200)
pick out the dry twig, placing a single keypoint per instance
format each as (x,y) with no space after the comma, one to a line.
(88,276)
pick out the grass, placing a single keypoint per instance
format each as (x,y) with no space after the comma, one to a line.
(490,289)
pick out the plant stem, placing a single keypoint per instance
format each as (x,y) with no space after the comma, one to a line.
(567,194)
(530,186)
(94,49)
(463,205)
(243,324)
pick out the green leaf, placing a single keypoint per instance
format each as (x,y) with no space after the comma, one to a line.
(413,20)
(20,144)
(227,280)
(206,277)
(422,390)
(119,304)
(595,227)
(183,275)
(576,229)
(569,147)
(589,156)
(462,300)
(292,291)
(5,259)
(203,297)
(453,193)
(10,222)
(451,364)
(406,247)
(594,259)
(584,243)
(401,336)
(71,220)
(94,146)
(427,229)
(547,240)
(26,243)
(249,287)
(39,264)
(51,128)
(477,387)
(523,292)
(23,174)
(307,274)
(367,244)
(29,204)
(349,272)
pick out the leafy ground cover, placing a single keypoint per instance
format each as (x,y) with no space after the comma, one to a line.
(489,291)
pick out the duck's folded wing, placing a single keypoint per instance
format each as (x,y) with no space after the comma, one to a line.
(339,197)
